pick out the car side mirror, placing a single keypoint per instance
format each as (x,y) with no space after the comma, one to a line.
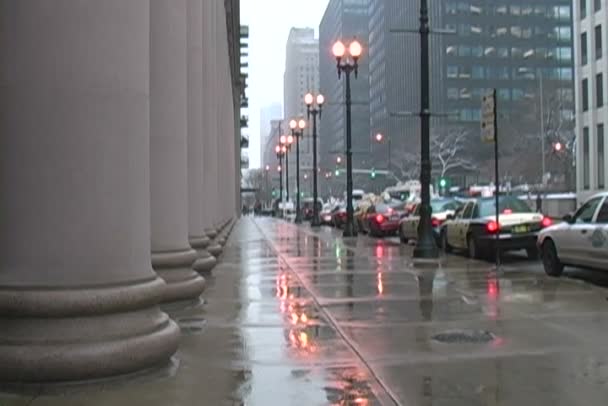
(568,218)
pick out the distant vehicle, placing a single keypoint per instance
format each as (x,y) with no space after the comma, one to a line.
(474,227)
(358,194)
(581,240)
(380,220)
(338,216)
(441,209)
(307,208)
(326,214)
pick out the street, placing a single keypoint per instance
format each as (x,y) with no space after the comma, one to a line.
(301,317)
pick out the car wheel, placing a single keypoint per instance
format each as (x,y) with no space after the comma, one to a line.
(473,250)
(532,253)
(444,242)
(553,266)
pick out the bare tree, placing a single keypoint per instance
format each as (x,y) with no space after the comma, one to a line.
(449,151)
(256,179)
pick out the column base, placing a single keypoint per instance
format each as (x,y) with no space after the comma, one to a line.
(211,233)
(215,250)
(205,261)
(81,333)
(176,269)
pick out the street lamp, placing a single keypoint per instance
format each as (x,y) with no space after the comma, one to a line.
(309,99)
(286,141)
(425,246)
(297,132)
(281,152)
(348,63)
(267,171)
(379,139)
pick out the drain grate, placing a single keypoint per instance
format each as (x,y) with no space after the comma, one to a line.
(464,337)
(193,325)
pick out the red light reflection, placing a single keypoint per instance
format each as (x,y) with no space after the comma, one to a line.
(379,251)
(380,284)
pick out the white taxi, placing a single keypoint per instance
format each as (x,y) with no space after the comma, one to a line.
(581,240)
(474,228)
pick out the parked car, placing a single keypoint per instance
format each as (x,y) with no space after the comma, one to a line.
(307,208)
(441,209)
(475,230)
(380,220)
(338,216)
(325,216)
(581,240)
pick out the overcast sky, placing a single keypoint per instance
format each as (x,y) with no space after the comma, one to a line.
(269,24)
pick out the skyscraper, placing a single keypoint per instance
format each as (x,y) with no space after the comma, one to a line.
(345,20)
(301,76)
(590,27)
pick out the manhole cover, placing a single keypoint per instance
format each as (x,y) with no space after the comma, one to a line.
(191,325)
(463,336)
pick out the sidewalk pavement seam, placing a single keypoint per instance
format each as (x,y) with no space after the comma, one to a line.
(331,320)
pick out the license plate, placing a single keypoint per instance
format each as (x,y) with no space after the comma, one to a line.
(520,229)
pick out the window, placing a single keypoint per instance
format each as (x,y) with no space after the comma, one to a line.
(599,90)
(597,5)
(601,179)
(598,42)
(586,158)
(602,216)
(584,48)
(468,211)
(583,8)
(587,211)
(585,94)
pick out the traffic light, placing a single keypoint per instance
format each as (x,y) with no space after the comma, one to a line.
(337,172)
(443,183)
(274,193)
(373,174)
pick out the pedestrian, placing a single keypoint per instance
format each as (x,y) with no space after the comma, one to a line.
(539,202)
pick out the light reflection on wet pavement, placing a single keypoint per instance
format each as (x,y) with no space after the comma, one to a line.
(300,317)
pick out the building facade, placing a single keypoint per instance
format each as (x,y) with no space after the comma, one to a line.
(344,20)
(267,115)
(111,202)
(590,28)
(301,76)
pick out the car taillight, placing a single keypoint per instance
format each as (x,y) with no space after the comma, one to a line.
(379,218)
(435,222)
(492,227)
(546,222)
(507,211)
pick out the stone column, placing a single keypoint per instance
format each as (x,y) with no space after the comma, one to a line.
(224,116)
(78,296)
(198,239)
(172,256)
(210,174)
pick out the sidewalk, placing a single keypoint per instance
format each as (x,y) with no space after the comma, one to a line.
(300,317)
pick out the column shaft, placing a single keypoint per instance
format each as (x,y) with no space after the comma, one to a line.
(78,296)
(198,239)
(172,256)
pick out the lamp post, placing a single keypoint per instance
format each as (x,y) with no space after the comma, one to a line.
(280,151)
(347,64)
(297,132)
(266,172)
(314,112)
(286,141)
(425,246)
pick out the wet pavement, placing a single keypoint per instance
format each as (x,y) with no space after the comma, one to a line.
(294,316)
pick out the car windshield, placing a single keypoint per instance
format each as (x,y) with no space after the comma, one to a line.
(506,205)
(439,206)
